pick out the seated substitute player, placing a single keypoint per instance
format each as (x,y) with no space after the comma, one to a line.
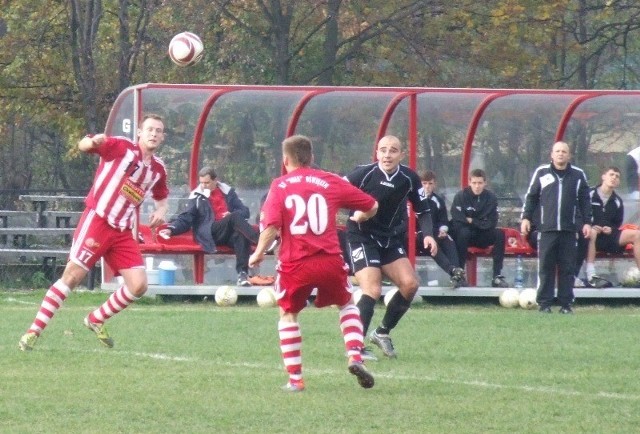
(377,246)
(474,217)
(217,216)
(447,256)
(608,215)
(301,207)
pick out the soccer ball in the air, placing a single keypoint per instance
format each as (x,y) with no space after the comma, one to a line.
(528,298)
(509,298)
(266,297)
(631,278)
(226,296)
(185,49)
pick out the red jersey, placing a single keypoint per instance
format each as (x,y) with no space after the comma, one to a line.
(123,181)
(218,204)
(303,204)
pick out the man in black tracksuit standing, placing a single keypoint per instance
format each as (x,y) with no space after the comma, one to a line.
(561,192)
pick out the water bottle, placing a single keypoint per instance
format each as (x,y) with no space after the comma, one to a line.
(519,279)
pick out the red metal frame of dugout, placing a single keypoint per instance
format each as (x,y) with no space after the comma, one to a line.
(401,93)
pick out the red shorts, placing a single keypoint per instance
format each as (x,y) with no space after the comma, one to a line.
(94,238)
(326,273)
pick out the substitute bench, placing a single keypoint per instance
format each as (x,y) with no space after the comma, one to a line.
(183,244)
(516,245)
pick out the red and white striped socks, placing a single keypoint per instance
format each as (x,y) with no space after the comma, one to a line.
(116,302)
(291,346)
(53,299)
(351,326)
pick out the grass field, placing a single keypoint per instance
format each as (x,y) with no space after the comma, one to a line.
(197,368)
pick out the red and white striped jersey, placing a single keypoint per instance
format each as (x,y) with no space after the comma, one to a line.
(123,181)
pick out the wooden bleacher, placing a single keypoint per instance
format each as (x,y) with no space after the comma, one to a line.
(27,236)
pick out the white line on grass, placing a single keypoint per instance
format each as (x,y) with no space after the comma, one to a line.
(15,300)
(391,376)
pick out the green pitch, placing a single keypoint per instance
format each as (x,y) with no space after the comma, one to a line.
(199,368)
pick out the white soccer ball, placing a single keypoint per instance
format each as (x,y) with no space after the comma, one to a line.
(417,299)
(528,298)
(389,295)
(226,296)
(266,297)
(356,295)
(631,278)
(185,49)
(509,298)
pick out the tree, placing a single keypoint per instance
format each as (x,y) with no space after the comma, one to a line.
(307,41)
(40,92)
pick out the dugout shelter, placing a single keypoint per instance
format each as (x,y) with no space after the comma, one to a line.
(238,129)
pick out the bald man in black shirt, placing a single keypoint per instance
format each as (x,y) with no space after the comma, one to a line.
(377,246)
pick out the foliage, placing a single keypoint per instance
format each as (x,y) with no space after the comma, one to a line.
(62,63)
(39,280)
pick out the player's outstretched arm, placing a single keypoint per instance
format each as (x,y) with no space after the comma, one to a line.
(266,239)
(361,216)
(88,143)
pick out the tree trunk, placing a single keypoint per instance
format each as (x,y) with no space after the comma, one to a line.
(330,43)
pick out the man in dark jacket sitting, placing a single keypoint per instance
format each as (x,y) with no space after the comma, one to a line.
(217,216)
(474,217)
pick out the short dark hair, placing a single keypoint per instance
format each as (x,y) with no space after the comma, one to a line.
(299,149)
(478,173)
(152,116)
(208,170)
(614,168)
(427,175)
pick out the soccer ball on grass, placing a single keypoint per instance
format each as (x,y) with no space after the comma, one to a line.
(417,299)
(226,296)
(356,295)
(631,278)
(266,297)
(509,298)
(528,298)
(389,295)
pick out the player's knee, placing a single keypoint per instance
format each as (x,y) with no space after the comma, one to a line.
(73,274)
(408,286)
(138,288)
(373,291)
(136,283)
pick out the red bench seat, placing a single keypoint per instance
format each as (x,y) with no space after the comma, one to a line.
(517,245)
(182,244)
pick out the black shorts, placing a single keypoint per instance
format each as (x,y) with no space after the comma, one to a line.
(609,243)
(366,252)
